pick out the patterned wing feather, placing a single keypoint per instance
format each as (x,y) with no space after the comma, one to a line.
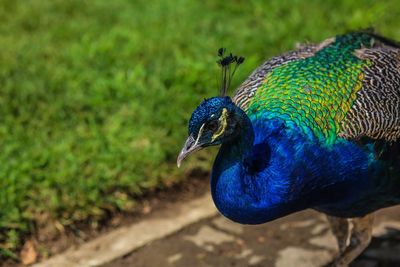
(346,86)
(247,90)
(376,111)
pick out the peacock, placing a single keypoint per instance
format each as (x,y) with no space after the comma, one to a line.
(317,127)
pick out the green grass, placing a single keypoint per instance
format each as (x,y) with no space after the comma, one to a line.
(95,95)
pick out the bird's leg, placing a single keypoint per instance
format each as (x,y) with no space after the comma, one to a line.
(340,229)
(359,240)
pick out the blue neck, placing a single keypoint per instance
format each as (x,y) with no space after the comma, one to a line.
(272,169)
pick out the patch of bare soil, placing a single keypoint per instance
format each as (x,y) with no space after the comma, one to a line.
(52,238)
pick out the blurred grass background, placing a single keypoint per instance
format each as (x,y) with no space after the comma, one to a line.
(95,95)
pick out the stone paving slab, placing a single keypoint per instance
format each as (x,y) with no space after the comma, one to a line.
(192,234)
(124,240)
(299,240)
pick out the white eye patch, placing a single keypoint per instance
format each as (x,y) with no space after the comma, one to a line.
(223,124)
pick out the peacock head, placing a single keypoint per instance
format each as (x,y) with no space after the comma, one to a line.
(213,122)
(216,119)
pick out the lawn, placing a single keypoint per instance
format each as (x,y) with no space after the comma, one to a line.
(95,95)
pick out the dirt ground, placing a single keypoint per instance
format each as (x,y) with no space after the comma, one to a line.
(301,240)
(50,240)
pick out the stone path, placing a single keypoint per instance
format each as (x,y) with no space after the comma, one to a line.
(300,240)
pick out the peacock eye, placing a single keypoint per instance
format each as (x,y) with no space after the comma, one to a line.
(212,126)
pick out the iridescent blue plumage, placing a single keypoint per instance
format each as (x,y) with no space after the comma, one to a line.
(283,150)
(272,169)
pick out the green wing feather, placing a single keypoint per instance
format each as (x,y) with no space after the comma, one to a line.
(317,87)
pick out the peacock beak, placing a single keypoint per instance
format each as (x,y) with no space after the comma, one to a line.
(191,145)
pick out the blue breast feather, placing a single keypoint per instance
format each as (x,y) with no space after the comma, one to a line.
(287,170)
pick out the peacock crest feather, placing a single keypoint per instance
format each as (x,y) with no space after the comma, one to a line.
(227,71)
